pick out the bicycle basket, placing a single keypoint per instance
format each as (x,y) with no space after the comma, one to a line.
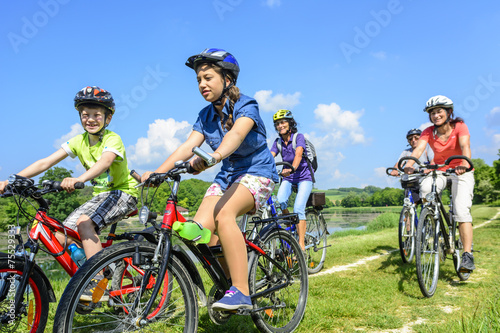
(316,199)
(410,181)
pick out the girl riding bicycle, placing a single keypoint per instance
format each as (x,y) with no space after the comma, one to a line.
(448,137)
(286,127)
(232,127)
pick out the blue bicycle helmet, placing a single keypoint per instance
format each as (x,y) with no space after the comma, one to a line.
(219,57)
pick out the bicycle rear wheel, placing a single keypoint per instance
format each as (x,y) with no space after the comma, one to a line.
(315,241)
(405,235)
(427,255)
(36,299)
(281,309)
(175,307)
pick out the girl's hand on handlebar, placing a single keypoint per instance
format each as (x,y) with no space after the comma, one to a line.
(68,184)
(394,173)
(199,164)
(286,172)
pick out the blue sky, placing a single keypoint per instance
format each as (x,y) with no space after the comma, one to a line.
(355,74)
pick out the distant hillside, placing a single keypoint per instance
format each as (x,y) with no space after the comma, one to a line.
(340,193)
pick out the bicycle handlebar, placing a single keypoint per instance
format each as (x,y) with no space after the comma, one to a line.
(287,165)
(436,166)
(388,171)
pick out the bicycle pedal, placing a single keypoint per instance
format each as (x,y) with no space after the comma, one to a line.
(242,312)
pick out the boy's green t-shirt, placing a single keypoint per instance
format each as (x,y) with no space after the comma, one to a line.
(117,177)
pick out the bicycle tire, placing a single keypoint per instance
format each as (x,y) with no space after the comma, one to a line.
(181,312)
(406,239)
(315,241)
(283,309)
(457,255)
(427,254)
(36,299)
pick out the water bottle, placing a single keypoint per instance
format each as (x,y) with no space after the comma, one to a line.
(77,254)
(192,231)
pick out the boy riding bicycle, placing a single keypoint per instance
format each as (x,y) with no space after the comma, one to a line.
(102,154)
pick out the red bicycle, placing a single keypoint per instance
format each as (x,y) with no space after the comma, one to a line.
(25,290)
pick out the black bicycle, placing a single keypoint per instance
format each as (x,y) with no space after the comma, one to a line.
(408,219)
(160,280)
(437,231)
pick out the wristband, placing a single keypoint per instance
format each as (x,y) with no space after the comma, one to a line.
(219,155)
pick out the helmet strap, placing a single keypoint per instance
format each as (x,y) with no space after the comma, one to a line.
(224,90)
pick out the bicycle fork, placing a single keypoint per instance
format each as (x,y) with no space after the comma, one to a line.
(166,243)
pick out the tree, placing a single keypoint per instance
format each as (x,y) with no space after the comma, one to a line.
(351,200)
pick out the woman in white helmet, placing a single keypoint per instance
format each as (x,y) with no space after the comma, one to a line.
(450,136)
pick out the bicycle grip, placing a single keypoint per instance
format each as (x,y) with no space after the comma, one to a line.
(205,156)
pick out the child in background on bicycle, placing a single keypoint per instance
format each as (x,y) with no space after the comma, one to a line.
(412,137)
(232,127)
(286,127)
(102,154)
(450,136)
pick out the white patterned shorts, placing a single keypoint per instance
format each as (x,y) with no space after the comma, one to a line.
(260,187)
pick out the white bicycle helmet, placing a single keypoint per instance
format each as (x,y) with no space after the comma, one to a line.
(438,101)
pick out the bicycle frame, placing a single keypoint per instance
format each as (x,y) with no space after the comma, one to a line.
(43,231)
(440,214)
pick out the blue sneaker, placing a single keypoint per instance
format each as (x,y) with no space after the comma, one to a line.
(233,300)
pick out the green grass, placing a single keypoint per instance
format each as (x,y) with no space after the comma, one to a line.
(382,294)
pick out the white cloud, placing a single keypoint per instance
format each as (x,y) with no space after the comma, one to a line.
(381,174)
(272,3)
(493,118)
(75,130)
(274,103)
(381,55)
(164,136)
(340,125)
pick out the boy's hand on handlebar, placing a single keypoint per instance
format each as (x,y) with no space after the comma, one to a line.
(394,173)
(145,176)
(68,184)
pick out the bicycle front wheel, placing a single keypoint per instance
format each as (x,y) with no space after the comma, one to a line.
(315,241)
(427,255)
(35,304)
(405,235)
(128,290)
(283,292)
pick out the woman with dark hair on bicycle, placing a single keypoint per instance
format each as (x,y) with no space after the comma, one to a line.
(286,127)
(232,127)
(448,137)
